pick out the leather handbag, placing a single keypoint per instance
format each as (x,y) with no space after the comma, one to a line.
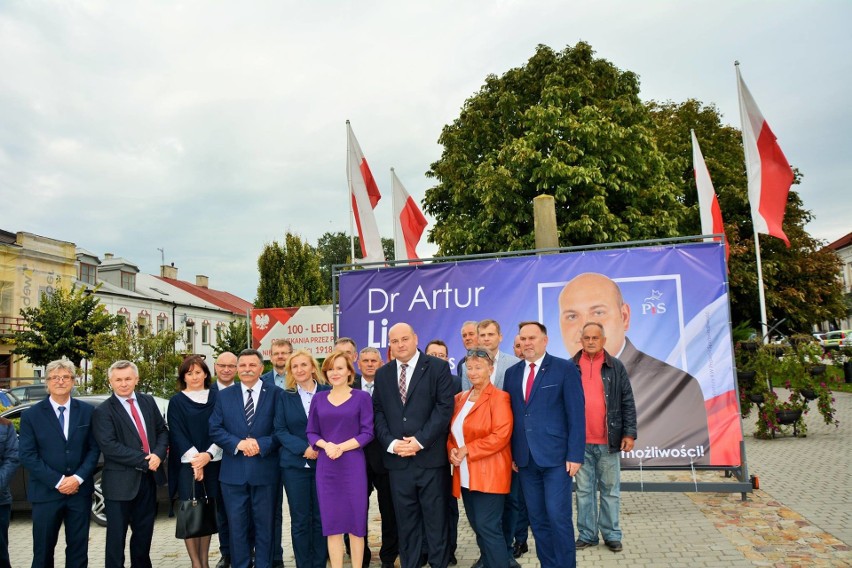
(196,516)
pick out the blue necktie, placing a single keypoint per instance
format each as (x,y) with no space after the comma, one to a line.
(249,409)
(62,419)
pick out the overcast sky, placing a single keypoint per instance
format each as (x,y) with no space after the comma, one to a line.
(208,128)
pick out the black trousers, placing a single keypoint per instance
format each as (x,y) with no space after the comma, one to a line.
(138,514)
(420,502)
(48,517)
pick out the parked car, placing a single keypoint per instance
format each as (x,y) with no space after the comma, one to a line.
(820,337)
(34,393)
(18,486)
(839,338)
(8,399)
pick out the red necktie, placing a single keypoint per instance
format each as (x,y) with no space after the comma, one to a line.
(139,428)
(530,379)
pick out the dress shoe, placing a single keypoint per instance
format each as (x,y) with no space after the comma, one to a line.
(479,563)
(224,562)
(581,544)
(513,563)
(614,545)
(424,560)
(519,549)
(453,560)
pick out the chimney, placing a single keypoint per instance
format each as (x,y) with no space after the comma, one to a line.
(108,255)
(201,280)
(169,271)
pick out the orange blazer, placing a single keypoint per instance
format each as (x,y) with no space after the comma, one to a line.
(487,433)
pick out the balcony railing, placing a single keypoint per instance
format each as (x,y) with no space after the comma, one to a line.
(9,325)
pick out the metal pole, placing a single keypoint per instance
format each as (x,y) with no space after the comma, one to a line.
(349,189)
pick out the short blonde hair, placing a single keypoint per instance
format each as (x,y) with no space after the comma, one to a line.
(329,362)
(316,373)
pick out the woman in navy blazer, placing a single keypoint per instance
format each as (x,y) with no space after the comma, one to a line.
(298,459)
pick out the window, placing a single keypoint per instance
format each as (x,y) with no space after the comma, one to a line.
(6,292)
(205,333)
(188,339)
(142,325)
(88,273)
(128,281)
(162,324)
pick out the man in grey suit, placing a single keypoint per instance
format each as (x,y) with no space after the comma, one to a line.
(489,338)
(132,435)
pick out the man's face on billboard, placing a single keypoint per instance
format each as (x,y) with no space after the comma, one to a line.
(592,297)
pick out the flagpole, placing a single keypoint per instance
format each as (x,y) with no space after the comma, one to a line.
(764,326)
(349,190)
(396,235)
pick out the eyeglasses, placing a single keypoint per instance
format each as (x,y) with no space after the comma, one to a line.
(60,378)
(482,353)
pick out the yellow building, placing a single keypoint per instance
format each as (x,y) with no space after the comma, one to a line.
(29,266)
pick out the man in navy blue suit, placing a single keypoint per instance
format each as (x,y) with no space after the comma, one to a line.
(59,450)
(548,442)
(242,424)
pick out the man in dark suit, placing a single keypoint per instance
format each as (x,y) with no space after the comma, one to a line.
(242,425)
(548,442)
(58,448)
(133,437)
(413,404)
(226,370)
(377,474)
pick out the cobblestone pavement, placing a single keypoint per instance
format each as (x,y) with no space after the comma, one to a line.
(801,516)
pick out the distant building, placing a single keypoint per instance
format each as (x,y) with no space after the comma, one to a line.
(843,248)
(30,265)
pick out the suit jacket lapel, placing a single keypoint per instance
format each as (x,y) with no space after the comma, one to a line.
(545,363)
(74,422)
(418,373)
(118,408)
(50,417)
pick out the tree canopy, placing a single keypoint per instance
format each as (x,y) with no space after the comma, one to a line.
(290,275)
(565,124)
(334,248)
(233,338)
(64,324)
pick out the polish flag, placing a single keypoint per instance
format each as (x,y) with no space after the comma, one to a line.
(408,220)
(365,195)
(708,204)
(769,173)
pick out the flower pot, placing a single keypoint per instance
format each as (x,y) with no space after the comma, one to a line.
(746,378)
(817,370)
(808,394)
(757,398)
(786,417)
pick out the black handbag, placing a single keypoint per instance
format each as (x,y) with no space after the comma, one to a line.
(196,516)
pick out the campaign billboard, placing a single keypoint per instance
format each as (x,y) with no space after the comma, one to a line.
(664,309)
(309,327)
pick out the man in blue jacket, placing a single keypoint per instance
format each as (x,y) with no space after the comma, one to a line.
(610,429)
(58,448)
(548,441)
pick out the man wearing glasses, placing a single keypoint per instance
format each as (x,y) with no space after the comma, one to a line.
(281,351)
(59,450)
(226,370)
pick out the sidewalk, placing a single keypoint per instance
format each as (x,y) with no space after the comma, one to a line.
(801,516)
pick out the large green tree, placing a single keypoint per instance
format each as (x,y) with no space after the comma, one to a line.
(801,282)
(290,275)
(233,338)
(64,324)
(565,124)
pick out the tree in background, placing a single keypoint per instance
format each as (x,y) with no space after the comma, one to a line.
(233,338)
(64,324)
(565,124)
(334,248)
(290,275)
(801,282)
(154,354)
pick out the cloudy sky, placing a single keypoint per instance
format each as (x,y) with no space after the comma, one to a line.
(208,128)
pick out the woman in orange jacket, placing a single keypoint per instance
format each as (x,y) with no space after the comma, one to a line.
(480,451)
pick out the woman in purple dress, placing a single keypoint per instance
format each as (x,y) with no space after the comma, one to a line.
(340,423)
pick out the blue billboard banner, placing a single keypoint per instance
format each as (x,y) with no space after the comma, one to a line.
(664,309)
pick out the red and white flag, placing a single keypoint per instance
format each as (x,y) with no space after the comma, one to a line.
(708,203)
(408,220)
(365,195)
(769,173)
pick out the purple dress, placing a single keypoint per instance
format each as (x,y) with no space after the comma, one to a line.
(342,483)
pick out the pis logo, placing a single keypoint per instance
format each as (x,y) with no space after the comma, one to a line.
(652,304)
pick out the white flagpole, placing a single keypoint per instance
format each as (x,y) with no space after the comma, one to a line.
(349,191)
(396,227)
(764,326)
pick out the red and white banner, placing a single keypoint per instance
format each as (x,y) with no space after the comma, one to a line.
(308,327)
(408,220)
(708,203)
(365,195)
(769,173)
